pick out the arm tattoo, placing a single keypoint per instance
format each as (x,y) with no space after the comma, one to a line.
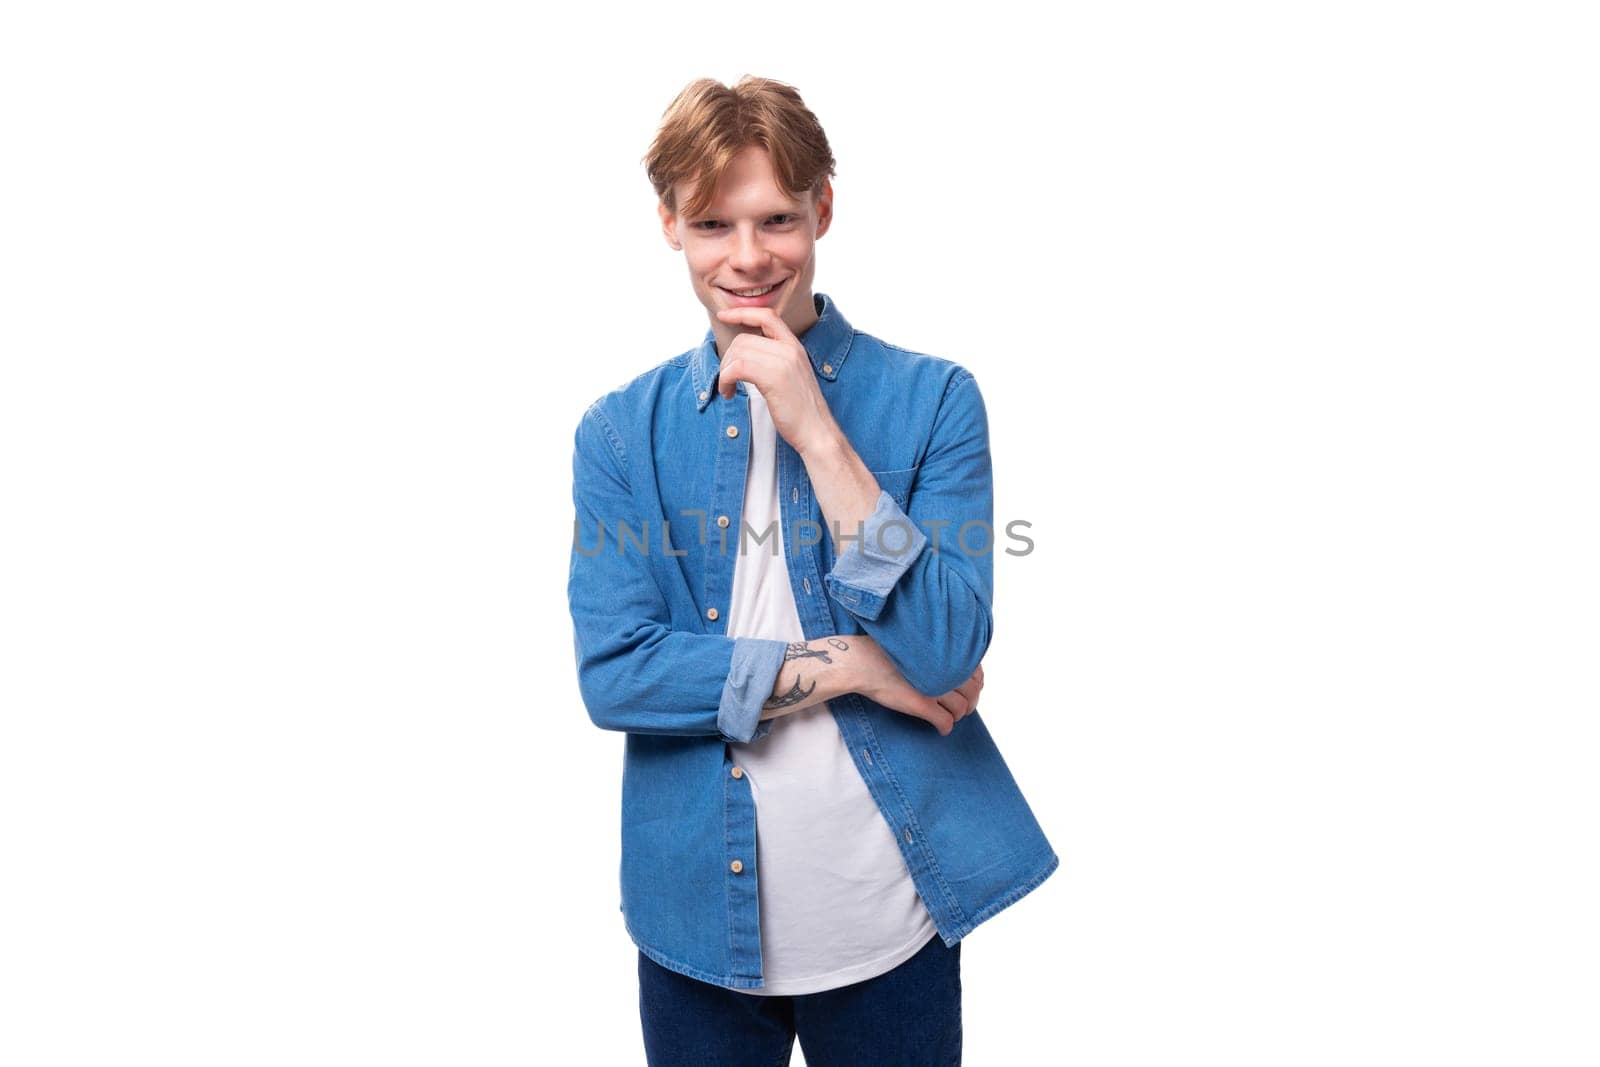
(794,696)
(801,650)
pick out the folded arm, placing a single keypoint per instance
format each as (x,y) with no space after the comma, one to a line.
(637,673)
(926,600)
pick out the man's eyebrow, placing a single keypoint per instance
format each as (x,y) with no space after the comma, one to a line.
(786,209)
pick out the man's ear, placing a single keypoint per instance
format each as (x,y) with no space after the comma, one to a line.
(669,225)
(824,207)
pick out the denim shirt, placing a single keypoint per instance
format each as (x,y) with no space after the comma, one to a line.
(659,470)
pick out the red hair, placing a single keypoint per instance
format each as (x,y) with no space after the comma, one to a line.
(709,123)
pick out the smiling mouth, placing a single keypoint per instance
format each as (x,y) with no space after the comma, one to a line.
(748,295)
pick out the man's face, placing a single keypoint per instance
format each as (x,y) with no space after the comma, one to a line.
(754,234)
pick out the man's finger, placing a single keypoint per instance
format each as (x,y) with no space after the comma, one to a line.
(764,319)
(748,359)
(956,702)
(969,689)
(936,714)
(727,376)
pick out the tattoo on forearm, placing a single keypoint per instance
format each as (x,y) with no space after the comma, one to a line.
(801,650)
(794,696)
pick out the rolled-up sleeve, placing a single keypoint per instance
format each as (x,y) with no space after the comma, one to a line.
(929,605)
(868,568)
(751,676)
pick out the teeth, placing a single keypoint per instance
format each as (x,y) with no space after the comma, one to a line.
(752,292)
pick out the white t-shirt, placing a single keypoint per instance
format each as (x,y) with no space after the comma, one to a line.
(836,902)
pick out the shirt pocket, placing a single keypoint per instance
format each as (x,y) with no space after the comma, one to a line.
(897,484)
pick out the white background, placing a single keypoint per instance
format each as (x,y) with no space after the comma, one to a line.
(1285,319)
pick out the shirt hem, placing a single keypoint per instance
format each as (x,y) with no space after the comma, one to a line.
(727,981)
(960,931)
(1022,889)
(859,972)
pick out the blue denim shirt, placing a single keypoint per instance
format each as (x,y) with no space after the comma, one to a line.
(658,465)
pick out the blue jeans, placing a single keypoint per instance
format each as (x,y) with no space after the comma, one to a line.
(909,1016)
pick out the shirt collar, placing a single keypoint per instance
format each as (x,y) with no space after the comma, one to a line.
(827,342)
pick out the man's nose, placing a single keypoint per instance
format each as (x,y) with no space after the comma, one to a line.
(748,253)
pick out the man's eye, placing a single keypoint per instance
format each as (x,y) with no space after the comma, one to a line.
(706,223)
(784,218)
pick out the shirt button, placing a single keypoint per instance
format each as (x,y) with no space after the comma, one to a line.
(794,494)
(738,772)
(733,431)
(827,368)
(722,521)
(807,583)
(711,613)
(736,866)
(702,394)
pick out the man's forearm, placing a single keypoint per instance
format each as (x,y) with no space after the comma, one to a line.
(846,491)
(815,671)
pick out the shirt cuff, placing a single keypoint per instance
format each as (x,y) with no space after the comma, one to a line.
(867,569)
(751,675)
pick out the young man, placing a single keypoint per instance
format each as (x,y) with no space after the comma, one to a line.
(781,582)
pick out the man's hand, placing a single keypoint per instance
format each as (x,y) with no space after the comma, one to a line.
(882,683)
(773,359)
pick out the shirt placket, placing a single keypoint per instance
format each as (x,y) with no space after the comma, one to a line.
(723,529)
(795,506)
